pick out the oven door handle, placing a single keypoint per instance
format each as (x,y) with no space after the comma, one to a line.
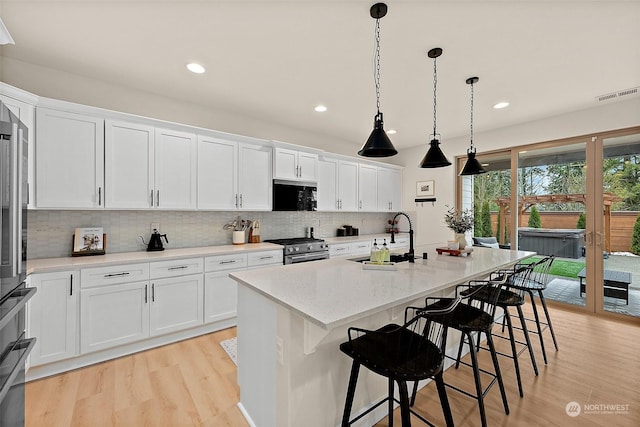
(24,346)
(309,257)
(15,302)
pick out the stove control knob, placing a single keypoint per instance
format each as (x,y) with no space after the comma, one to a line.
(309,247)
(296,249)
(289,249)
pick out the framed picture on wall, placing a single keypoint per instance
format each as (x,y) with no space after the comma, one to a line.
(425,188)
(89,241)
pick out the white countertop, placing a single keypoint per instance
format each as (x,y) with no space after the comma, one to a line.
(335,292)
(58,264)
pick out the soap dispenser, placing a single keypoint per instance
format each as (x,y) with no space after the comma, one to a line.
(375,253)
(386,255)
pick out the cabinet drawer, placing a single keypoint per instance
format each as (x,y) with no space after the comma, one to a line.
(340,249)
(265,258)
(361,248)
(225,262)
(101,276)
(176,267)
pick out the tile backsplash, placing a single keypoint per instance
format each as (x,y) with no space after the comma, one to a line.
(50,231)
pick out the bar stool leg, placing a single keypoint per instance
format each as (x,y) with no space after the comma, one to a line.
(444,400)
(496,367)
(514,350)
(525,331)
(390,402)
(546,314)
(476,377)
(405,414)
(351,390)
(538,325)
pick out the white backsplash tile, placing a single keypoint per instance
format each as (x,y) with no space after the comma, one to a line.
(50,232)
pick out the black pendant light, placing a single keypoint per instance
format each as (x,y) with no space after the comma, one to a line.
(434,158)
(378,144)
(473,166)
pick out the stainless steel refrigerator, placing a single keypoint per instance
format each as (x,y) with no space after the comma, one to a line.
(14,347)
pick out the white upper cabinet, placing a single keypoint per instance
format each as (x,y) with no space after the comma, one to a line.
(69,160)
(327,190)
(347,186)
(295,165)
(147,168)
(367,188)
(129,165)
(175,170)
(255,187)
(389,190)
(233,175)
(217,173)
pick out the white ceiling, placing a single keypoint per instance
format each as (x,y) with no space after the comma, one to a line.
(277,59)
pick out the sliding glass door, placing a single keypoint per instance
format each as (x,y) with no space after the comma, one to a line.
(577,199)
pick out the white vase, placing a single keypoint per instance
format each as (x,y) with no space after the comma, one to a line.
(462,240)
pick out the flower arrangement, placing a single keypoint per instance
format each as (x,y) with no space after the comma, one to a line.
(459,221)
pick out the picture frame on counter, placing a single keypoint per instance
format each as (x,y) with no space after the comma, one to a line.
(425,188)
(89,241)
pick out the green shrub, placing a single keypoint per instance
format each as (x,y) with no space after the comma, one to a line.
(485,220)
(582,221)
(534,218)
(635,240)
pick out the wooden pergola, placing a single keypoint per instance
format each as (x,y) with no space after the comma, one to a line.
(525,202)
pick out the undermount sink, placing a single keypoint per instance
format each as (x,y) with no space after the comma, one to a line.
(392,258)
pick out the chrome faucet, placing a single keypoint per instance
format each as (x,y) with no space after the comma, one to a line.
(409,255)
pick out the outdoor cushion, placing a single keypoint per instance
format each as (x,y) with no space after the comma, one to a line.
(489,242)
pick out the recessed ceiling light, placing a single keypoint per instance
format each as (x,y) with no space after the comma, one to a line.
(320,108)
(499,105)
(195,68)
(391,131)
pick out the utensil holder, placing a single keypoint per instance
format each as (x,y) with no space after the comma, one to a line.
(238,237)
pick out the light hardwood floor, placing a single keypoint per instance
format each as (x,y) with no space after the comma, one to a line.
(193,383)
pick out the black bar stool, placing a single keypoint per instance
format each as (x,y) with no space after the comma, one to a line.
(474,317)
(512,295)
(411,352)
(537,283)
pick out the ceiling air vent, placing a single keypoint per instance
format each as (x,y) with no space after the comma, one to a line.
(618,94)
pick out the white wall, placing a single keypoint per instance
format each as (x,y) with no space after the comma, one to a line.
(430,223)
(50,83)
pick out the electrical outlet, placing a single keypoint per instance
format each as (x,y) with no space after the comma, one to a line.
(155,226)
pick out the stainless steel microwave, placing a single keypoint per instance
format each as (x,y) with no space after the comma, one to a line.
(294,196)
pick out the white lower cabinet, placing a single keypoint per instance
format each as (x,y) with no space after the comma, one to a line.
(221,296)
(113,315)
(53,316)
(176,304)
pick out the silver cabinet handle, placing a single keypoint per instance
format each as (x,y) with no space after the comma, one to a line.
(153,292)
(241,200)
(99,196)
(182,267)
(232,261)
(71,285)
(146,293)
(266,257)
(360,205)
(236,200)
(158,198)
(151,198)
(126,273)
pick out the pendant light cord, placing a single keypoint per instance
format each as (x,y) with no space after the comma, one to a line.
(435,82)
(471,121)
(376,75)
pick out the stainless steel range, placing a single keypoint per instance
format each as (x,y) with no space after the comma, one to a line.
(302,249)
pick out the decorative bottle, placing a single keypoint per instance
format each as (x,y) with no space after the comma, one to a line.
(375,253)
(386,256)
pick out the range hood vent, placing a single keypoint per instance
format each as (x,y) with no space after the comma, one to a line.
(634,91)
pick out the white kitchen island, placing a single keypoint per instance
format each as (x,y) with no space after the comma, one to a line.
(292,319)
